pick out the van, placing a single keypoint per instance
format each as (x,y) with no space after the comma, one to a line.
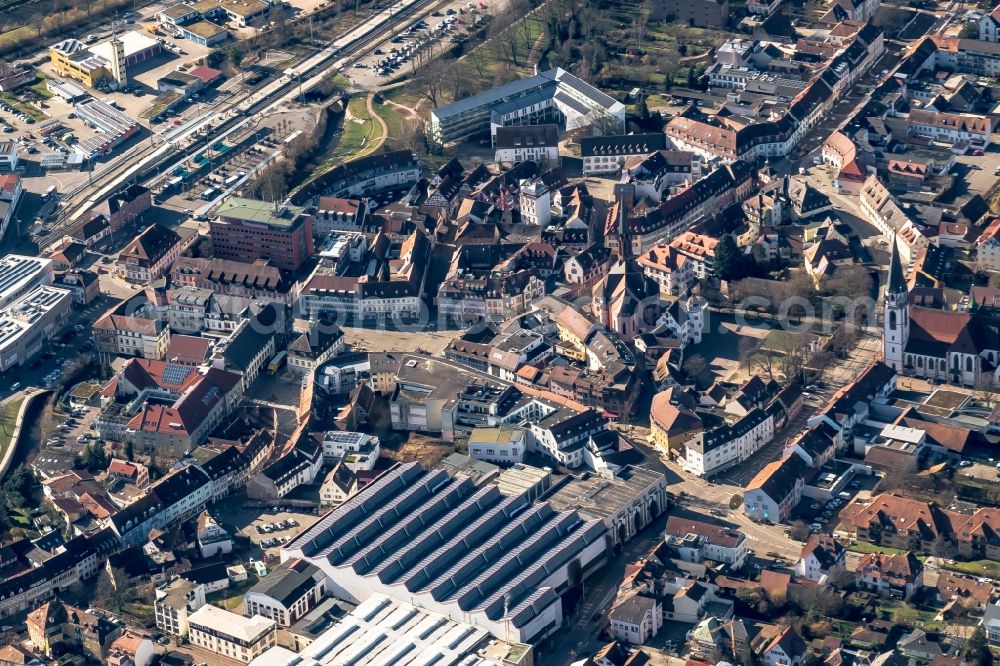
(846,496)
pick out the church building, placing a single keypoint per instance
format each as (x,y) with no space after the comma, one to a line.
(946,345)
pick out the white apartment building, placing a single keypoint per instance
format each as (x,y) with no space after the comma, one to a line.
(535,202)
(175,602)
(636,620)
(698,541)
(988,248)
(358,450)
(728,445)
(230,635)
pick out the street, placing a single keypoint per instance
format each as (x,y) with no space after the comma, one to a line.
(579,635)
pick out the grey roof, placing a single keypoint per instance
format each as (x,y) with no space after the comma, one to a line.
(292,580)
(526,86)
(415,531)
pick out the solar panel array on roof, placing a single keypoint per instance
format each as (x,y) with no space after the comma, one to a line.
(415,534)
(176,374)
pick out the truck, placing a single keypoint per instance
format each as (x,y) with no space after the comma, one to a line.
(291,74)
(277,362)
(49,192)
(208,194)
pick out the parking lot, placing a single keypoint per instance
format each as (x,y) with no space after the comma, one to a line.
(421,39)
(74,430)
(270,527)
(980,471)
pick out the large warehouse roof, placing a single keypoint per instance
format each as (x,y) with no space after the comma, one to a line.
(451,547)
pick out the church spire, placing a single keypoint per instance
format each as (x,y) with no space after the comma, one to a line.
(897,282)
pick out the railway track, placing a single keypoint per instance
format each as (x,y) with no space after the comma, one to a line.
(148,163)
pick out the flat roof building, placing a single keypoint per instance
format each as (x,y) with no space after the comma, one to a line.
(383,630)
(231,635)
(551,96)
(626,502)
(248,230)
(20,274)
(30,322)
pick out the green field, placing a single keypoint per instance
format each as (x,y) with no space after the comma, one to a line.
(35,113)
(987,568)
(7,426)
(865,548)
(360,132)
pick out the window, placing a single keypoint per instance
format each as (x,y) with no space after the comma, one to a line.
(892,320)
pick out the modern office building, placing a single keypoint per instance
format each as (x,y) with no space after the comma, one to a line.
(247,230)
(553,96)
(20,274)
(27,324)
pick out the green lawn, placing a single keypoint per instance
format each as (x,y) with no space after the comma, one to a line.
(865,548)
(17,36)
(7,426)
(232,597)
(39,86)
(35,113)
(987,568)
(906,613)
(360,132)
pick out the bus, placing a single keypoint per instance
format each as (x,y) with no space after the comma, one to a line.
(277,362)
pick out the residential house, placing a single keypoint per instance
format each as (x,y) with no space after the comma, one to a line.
(636,619)
(775,490)
(898,575)
(295,467)
(822,556)
(521,143)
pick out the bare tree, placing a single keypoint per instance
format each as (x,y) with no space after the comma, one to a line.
(479,60)
(431,81)
(986,388)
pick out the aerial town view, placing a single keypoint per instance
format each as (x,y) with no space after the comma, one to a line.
(499,332)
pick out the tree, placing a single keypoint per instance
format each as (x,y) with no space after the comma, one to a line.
(986,386)
(977,650)
(799,531)
(736,501)
(111,590)
(746,348)
(20,486)
(129,451)
(694,366)
(95,458)
(431,80)
(731,263)
(641,108)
